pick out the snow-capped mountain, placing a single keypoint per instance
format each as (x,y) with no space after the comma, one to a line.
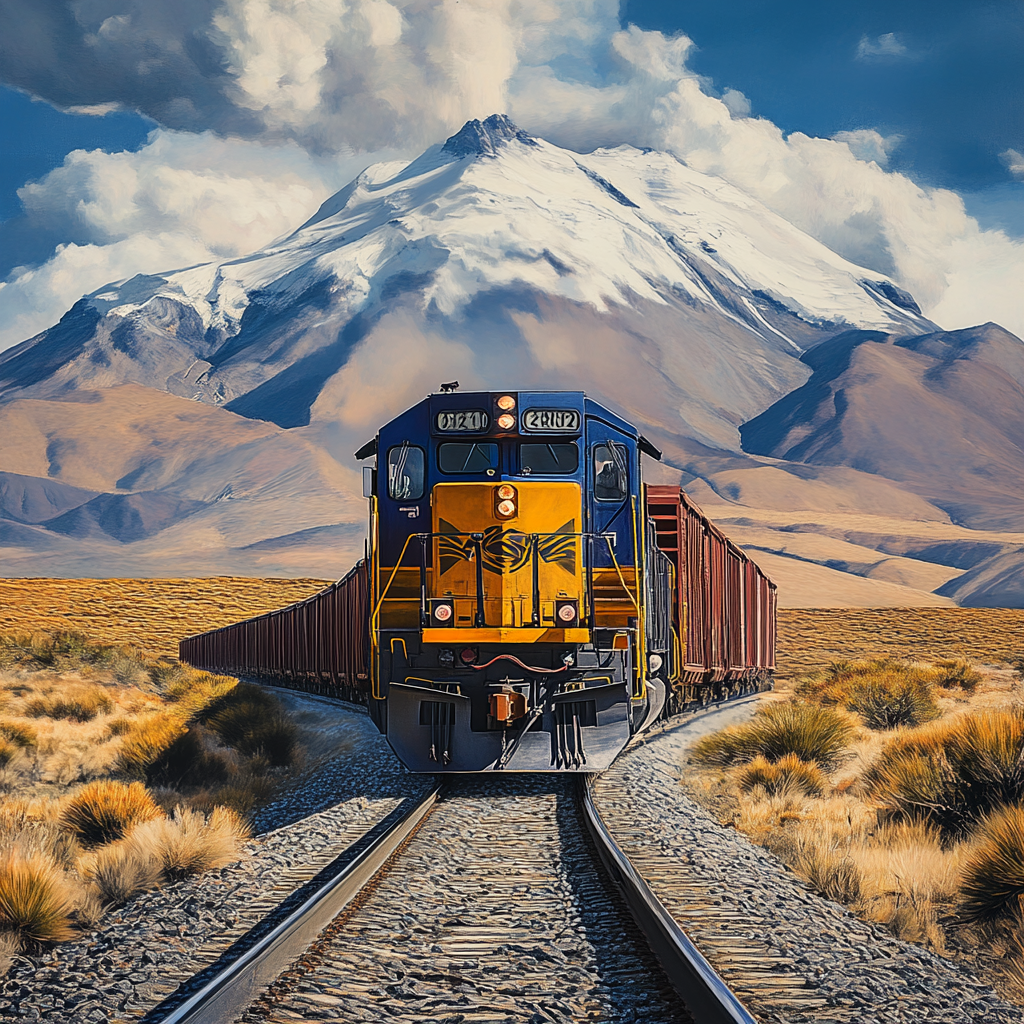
(471,233)
(202,420)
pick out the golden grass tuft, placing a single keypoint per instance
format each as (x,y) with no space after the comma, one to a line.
(36,900)
(884,693)
(809,732)
(146,740)
(121,871)
(105,811)
(957,673)
(787,775)
(78,704)
(993,881)
(190,842)
(952,773)
(19,733)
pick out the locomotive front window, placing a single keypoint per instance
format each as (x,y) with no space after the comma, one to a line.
(548,458)
(611,478)
(467,458)
(406,465)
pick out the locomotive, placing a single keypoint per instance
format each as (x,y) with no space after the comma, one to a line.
(527,602)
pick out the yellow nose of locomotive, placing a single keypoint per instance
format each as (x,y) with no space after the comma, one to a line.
(509,559)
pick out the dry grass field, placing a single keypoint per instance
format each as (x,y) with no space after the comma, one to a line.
(151,615)
(811,638)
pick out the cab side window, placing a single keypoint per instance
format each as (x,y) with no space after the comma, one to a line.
(611,477)
(406,464)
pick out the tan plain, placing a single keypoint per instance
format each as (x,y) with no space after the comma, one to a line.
(154,615)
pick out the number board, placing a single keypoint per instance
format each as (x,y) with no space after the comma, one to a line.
(559,420)
(467,420)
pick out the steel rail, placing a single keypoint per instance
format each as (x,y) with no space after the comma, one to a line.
(705,994)
(227,994)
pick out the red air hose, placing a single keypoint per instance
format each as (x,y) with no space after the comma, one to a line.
(529,668)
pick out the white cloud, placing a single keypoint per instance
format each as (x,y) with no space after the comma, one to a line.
(361,77)
(886,45)
(866,144)
(1014,162)
(738,104)
(181,199)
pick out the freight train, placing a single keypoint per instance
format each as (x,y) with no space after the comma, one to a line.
(527,602)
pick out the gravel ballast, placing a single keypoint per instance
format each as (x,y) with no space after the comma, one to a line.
(858,971)
(142,952)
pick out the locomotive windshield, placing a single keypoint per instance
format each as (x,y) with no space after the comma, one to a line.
(548,458)
(406,464)
(467,458)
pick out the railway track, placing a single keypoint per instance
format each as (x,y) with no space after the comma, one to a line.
(486,902)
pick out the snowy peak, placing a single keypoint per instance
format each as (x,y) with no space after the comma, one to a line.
(484,138)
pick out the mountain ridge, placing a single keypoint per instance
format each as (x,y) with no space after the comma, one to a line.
(503,261)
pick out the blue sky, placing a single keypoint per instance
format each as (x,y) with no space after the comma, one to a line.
(215,125)
(949,79)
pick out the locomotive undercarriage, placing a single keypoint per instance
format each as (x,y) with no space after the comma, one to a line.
(522,707)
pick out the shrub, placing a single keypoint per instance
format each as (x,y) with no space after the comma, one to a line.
(8,752)
(123,870)
(252,721)
(35,899)
(885,693)
(810,732)
(830,870)
(959,673)
(189,842)
(76,704)
(145,741)
(953,774)
(19,734)
(787,775)
(127,667)
(187,762)
(106,810)
(65,650)
(993,878)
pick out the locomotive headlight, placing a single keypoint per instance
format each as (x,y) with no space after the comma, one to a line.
(566,612)
(505,506)
(506,421)
(506,403)
(442,613)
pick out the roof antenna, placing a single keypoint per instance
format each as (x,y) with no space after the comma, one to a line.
(447,389)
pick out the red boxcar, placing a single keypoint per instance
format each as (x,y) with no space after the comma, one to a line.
(725,607)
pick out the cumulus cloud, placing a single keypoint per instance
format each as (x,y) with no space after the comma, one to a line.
(866,144)
(886,45)
(738,104)
(309,90)
(1014,162)
(181,199)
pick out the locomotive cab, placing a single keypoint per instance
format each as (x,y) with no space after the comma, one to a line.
(508,630)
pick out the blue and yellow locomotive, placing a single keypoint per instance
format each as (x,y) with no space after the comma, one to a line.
(508,628)
(527,602)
